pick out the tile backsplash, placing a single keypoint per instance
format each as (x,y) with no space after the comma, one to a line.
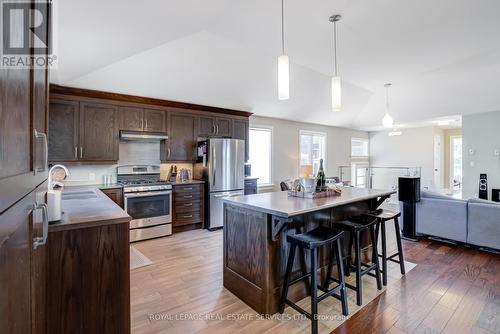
(89,174)
(164,168)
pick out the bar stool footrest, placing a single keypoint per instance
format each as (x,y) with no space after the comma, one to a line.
(298,308)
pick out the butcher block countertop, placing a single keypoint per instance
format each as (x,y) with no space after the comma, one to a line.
(280,204)
(87,206)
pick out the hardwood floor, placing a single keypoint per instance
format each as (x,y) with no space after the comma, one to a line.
(451,290)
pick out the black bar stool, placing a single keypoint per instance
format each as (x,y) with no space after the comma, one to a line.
(355,228)
(312,240)
(383,216)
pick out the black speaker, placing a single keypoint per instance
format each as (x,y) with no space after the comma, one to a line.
(409,189)
(483,186)
(495,195)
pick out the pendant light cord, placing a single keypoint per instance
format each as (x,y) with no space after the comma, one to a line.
(335,48)
(282,27)
(387,98)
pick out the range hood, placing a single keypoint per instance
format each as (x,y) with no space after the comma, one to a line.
(142,136)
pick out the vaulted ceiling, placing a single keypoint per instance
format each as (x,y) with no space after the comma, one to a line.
(442,56)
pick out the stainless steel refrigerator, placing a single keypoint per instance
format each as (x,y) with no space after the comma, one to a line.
(221,163)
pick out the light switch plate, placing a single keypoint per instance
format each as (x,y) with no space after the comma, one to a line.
(472,163)
(91,176)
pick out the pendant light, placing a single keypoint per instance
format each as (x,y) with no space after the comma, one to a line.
(387,121)
(283,63)
(336,82)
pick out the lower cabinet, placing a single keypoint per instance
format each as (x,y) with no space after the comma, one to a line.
(116,194)
(82,297)
(188,206)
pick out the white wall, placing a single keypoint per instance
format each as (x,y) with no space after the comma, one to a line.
(480,133)
(414,148)
(285,159)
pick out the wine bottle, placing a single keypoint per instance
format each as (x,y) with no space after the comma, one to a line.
(320,177)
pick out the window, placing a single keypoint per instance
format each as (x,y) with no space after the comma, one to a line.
(260,153)
(312,149)
(359,147)
(456,161)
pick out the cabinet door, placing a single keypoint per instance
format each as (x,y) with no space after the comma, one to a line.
(15,267)
(131,118)
(98,132)
(63,130)
(206,126)
(240,131)
(224,127)
(154,120)
(115,194)
(181,138)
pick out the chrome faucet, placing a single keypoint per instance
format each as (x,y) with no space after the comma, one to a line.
(51,186)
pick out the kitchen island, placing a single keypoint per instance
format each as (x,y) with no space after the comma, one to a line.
(255,247)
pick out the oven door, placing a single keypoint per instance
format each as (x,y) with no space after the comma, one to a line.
(149,208)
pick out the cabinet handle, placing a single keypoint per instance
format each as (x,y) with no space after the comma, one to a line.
(217,127)
(187,188)
(46,152)
(39,241)
(146,123)
(76,152)
(81,152)
(214,130)
(188,196)
(142,123)
(188,216)
(168,152)
(188,204)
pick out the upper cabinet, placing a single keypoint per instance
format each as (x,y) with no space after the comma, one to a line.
(181,142)
(98,132)
(240,131)
(209,126)
(82,131)
(140,119)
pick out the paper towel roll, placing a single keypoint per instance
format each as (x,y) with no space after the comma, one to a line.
(54,204)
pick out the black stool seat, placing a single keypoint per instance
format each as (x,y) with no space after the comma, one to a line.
(355,226)
(312,240)
(383,216)
(316,238)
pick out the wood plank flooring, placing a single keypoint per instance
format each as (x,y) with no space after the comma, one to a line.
(451,290)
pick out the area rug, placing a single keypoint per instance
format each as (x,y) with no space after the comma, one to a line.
(137,259)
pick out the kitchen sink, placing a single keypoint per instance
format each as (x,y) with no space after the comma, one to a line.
(79,195)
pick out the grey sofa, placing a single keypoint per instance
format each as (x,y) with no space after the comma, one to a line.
(483,223)
(442,216)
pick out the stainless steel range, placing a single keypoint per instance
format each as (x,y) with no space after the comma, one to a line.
(147,199)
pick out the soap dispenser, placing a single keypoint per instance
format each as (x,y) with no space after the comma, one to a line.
(54,196)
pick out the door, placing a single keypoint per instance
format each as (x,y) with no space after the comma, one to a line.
(206,126)
(226,164)
(181,141)
(63,130)
(154,120)
(224,127)
(98,132)
(240,131)
(217,206)
(131,118)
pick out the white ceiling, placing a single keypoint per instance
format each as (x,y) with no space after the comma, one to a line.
(442,56)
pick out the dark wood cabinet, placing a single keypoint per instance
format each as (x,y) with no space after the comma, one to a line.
(206,126)
(116,194)
(140,119)
(224,127)
(241,131)
(131,118)
(188,206)
(154,120)
(215,126)
(98,132)
(182,140)
(63,135)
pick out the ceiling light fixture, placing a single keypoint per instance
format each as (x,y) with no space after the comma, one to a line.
(336,81)
(387,121)
(283,63)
